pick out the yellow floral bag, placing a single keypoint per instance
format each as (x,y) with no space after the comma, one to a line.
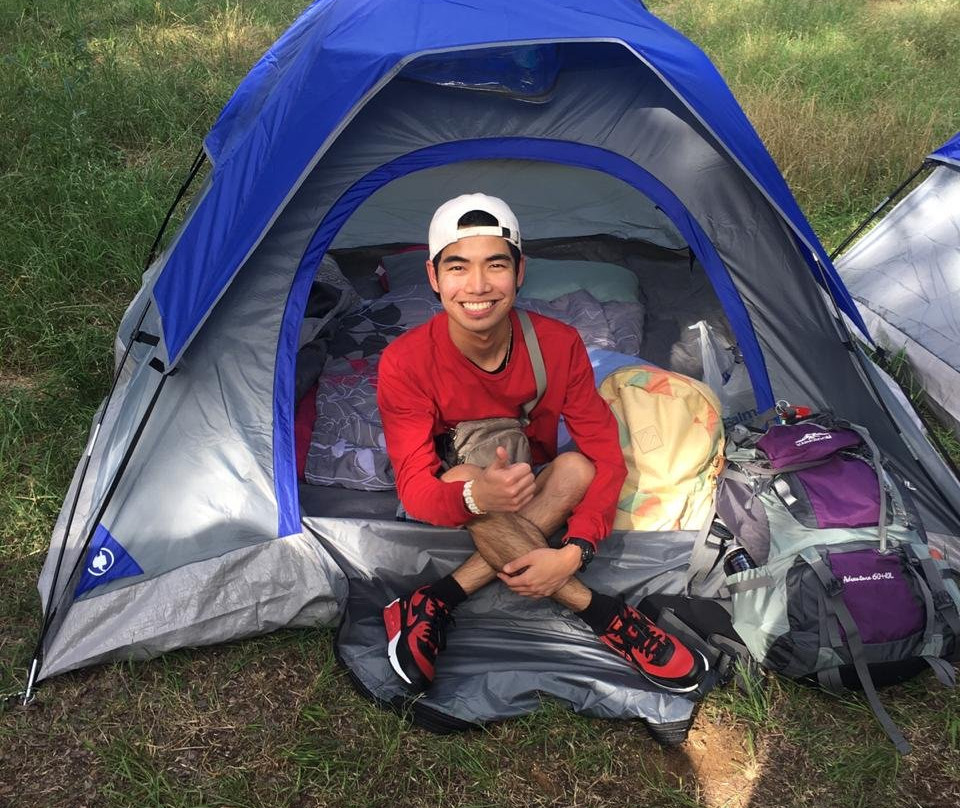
(671,434)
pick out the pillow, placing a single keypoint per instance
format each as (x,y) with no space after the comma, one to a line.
(404,269)
(547,280)
(615,326)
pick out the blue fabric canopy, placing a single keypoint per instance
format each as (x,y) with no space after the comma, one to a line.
(317,76)
(949,152)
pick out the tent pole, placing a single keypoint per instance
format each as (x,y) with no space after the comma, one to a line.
(85,465)
(50,612)
(88,453)
(194,168)
(876,211)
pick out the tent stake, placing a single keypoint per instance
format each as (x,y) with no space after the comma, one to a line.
(31,681)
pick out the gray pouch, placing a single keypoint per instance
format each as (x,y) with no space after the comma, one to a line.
(476,442)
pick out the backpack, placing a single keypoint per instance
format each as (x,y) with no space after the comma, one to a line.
(836,594)
(671,435)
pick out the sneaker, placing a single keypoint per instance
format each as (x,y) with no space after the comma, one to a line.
(416,628)
(659,656)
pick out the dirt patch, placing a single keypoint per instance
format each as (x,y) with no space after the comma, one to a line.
(724,762)
(14,381)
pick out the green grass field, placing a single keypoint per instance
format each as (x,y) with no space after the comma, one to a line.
(103,106)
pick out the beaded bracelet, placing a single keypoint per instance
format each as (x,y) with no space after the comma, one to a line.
(469,500)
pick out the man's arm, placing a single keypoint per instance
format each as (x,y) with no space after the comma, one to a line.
(408,415)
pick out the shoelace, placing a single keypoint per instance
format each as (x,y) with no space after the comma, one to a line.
(655,644)
(436,633)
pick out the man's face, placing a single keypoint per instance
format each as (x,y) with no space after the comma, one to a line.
(477,282)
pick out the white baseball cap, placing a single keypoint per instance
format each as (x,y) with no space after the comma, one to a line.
(444,229)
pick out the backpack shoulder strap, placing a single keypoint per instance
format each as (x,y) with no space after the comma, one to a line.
(536,359)
(838,608)
(881,476)
(944,593)
(708,548)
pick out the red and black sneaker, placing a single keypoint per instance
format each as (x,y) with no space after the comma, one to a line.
(416,628)
(659,656)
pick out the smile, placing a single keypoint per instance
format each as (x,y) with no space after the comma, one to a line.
(480,306)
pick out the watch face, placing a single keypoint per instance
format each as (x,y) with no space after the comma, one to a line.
(586,551)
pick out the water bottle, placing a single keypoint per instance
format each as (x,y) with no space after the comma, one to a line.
(738,560)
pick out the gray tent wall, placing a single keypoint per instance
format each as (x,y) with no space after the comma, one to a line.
(197,505)
(905,276)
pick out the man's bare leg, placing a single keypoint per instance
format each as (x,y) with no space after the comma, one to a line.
(502,537)
(475,573)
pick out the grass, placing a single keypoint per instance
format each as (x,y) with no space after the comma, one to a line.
(898,366)
(848,97)
(103,106)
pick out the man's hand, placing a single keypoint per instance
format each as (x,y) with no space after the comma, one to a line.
(541,572)
(503,486)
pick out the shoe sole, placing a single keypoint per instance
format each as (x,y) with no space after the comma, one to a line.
(688,688)
(391,618)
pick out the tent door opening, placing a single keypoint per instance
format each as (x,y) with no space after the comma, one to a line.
(604,240)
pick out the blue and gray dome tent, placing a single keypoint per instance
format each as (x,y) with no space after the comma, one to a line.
(905,276)
(185,524)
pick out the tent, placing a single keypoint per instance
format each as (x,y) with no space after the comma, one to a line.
(615,140)
(905,277)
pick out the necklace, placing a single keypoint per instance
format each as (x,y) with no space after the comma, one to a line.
(506,357)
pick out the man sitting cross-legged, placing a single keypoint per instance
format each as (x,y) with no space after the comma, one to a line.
(470,362)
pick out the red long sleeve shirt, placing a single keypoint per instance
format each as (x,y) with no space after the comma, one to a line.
(426,386)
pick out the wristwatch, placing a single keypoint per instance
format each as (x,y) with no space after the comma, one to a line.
(586,550)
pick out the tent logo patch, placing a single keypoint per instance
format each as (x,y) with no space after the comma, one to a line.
(107,560)
(102,562)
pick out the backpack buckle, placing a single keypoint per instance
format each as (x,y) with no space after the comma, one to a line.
(942,600)
(833,587)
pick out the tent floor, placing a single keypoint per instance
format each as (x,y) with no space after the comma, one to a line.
(346,503)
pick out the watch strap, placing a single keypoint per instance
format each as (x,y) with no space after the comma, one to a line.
(587,550)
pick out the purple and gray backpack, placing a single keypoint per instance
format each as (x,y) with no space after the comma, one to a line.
(834,592)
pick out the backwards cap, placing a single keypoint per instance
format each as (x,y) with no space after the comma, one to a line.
(444,229)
